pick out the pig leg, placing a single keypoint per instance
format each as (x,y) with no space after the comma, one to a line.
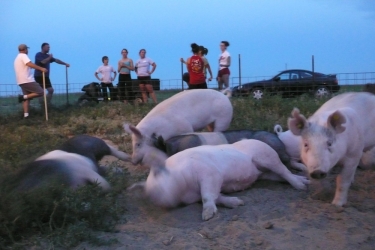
(343,182)
(230,202)
(275,166)
(210,191)
(298,166)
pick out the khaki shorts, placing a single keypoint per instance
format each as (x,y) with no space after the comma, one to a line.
(31,87)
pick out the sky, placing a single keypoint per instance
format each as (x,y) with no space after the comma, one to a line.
(268,35)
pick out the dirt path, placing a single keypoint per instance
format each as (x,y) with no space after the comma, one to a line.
(275,216)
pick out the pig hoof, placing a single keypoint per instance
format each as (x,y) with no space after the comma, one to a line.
(230,202)
(301,182)
(208,213)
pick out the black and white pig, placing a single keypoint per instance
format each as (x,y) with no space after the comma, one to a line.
(73,164)
(179,143)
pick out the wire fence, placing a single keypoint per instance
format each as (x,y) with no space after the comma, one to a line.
(75,94)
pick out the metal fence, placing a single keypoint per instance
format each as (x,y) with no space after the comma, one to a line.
(71,95)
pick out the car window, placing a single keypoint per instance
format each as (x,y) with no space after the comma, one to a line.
(294,75)
(284,76)
(305,75)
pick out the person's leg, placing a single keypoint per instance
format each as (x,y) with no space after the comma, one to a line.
(29,90)
(104,91)
(142,88)
(129,85)
(150,90)
(225,80)
(111,91)
(49,94)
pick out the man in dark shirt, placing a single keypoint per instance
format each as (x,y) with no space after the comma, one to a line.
(43,59)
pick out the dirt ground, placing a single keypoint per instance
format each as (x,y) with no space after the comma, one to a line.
(275,216)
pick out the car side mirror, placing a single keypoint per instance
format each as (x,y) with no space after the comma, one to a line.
(277,79)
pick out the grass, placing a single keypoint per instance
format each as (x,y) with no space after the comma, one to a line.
(63,218)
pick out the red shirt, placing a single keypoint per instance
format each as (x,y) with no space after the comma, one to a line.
(196,70)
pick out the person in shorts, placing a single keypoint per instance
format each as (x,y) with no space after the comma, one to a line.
(106,78)
(196,67)
(224,64)
(25,79)
(44,59)
(142,68)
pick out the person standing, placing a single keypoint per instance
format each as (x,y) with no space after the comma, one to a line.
(195,67)
(43,59)
(25,79)
(106,78)
(202,52)
(125,85)
(224,64)
(142,68)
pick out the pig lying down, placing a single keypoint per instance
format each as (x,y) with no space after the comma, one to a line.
(185,112)
(292,146)
(179,143)
(74,164)
(338,133)
(205,172)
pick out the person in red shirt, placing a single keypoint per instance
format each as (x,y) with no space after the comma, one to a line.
(195,67)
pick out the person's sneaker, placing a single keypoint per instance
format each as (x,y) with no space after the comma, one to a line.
(20,98)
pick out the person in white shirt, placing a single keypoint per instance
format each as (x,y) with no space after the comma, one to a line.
(106,78)
(142,68)
(25,78)
(224,64)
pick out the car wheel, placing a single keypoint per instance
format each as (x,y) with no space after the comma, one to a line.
(322,92)
(257,93)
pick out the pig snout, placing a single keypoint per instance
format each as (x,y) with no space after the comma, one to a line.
(318,174)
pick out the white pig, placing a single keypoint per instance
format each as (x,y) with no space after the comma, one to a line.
(205,172)
(292,147)
(185,112)
(336,134)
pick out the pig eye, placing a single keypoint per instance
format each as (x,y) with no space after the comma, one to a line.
(138,145)
(306,145)
(329,143)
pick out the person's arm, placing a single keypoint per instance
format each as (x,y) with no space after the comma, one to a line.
(61,62)
(97,77)
(115,74)
(34,66)
(131,67)
(38,58)
(209,71)
(119,66)
(187,64)
(153,68)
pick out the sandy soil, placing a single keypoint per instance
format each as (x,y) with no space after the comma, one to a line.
(275,216)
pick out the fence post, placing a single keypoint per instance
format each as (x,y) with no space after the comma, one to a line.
(67,90)
(239,68)
(182,75)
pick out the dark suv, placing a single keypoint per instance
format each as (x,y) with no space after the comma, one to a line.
(290,83)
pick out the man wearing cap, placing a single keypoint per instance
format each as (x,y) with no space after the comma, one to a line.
(43,59)
(25,78)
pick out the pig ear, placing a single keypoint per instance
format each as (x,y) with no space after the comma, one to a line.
(336,121)
(297,122)
(132,130)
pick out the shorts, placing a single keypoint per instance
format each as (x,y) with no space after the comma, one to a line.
(224,71)
(31,87)
(144,79)
(39,79)
(198,86)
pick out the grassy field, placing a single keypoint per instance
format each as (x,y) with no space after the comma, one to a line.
(60,220)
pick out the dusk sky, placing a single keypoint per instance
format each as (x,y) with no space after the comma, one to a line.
(270,35)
